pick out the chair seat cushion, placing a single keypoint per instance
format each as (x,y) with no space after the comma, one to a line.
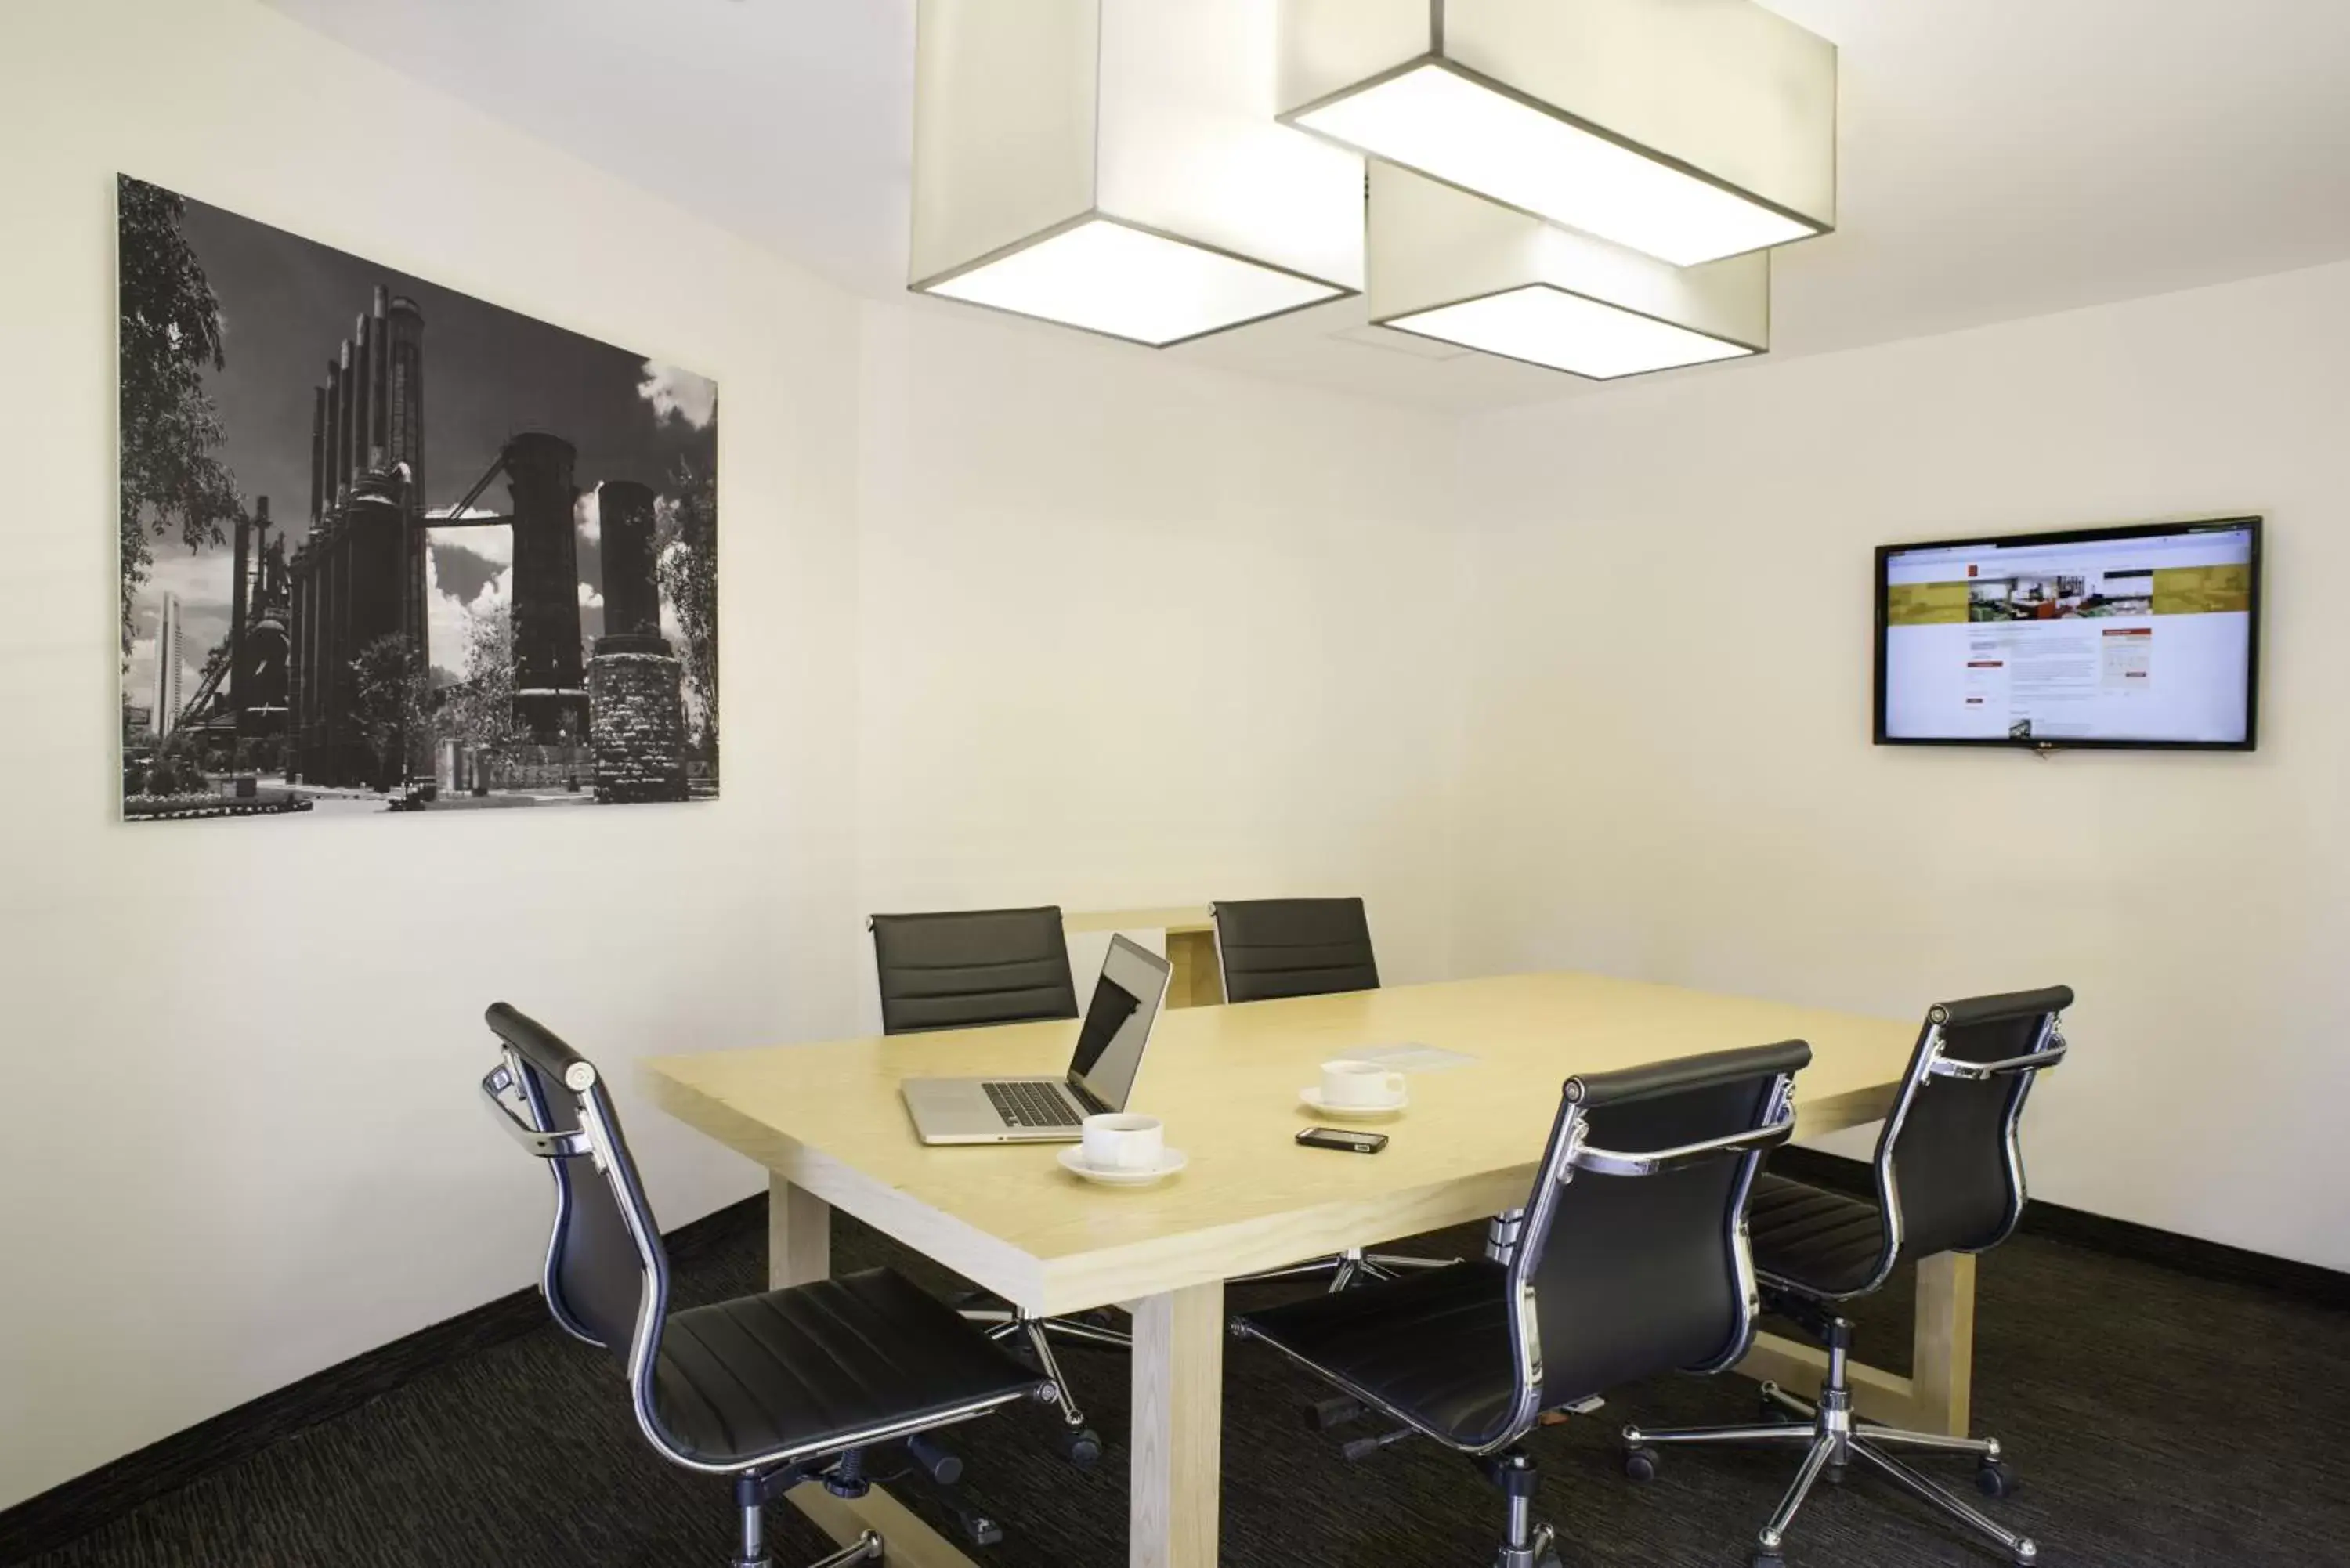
(1432,1347)
(792,1370)
(1821,1242)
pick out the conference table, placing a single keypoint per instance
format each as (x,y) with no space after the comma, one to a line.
(826,1122)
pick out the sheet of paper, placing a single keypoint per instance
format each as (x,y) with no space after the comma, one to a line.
(1412,1058)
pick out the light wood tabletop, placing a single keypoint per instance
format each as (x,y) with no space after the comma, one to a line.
(827,1122)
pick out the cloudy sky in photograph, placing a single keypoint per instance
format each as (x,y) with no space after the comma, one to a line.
(490,373)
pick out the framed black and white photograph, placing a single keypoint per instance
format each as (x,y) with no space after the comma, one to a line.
(387,546)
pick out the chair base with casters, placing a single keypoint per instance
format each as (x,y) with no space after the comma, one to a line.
(1348,1268)
(1834,1441)
(1032,1336)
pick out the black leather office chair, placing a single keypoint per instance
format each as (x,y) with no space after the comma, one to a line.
(1270,948)
(963,968)
(1950,1178)
(774,1389)
(1632,1261)
(1293,947)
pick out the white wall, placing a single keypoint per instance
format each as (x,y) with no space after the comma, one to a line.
(1129,633)
(1135,634)
(236,1142)
(1669,773)
(1011,617)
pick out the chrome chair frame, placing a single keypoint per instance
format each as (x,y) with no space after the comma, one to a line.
(1834,1435)
(759,1478)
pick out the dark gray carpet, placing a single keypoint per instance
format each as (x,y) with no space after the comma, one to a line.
(2155,1419)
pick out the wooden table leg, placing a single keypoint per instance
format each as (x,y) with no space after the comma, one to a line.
(799,1235)
(1942,1346)
(1937,1396)
(1198,979)
(1178,1429)
(799,1249)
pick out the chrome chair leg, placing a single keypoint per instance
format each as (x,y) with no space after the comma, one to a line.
(1079,1443)
(1348,1268)
(1772,1536)
(1928,1442)
(1087,1332)
(1641,1437)
(2022,1547)
(1032,1331)
(866,1548)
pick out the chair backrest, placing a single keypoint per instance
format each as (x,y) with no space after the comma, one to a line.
(959,968)
(606,1277)
(1293,947)
(1949,1167)
(1633,1258)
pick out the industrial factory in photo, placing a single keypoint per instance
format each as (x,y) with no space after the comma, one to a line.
(387,546)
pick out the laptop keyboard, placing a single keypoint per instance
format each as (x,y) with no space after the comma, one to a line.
(1031,1105)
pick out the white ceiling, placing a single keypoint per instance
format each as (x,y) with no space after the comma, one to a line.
(2000,157)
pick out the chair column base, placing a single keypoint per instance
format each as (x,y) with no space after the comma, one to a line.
(1525,1543)
(1833,1439)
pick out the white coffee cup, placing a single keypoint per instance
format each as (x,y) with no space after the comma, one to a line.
(1364,1085)
(1121,1140)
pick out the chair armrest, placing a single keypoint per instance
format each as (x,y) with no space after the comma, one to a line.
(547,1146)
(1977,1072)
(1656,1162)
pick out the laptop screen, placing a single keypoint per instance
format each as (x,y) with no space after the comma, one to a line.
(1117,1023)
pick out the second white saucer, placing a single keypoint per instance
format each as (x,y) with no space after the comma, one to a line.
(1073,1160)
(1311,1097)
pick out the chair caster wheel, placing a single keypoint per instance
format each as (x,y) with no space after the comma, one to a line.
(1994,1479)
(1081,1446)
(1640,1464)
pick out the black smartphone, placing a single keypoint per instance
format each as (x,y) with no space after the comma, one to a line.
(1340,1138)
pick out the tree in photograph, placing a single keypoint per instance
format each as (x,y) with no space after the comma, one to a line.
(480,710)
(388,691)
(169,331)
(685,545)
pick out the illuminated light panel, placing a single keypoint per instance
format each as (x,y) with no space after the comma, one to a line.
(1568,332)
(1458,131)
(1106,277)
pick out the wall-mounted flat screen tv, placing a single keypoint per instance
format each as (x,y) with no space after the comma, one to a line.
(2146,636)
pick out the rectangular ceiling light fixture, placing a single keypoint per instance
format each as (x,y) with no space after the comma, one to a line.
(1115,165)
(1448,264)
(1686,129)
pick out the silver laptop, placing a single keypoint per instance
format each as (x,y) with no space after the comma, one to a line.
(1047,1110)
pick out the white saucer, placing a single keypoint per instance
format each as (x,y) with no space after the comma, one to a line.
(1073,1160)
(1312,1097)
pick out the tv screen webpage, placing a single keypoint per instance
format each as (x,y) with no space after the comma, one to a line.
(2143,635)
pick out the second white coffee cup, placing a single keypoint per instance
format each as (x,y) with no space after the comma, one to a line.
(1121,1140)
(1363,1083)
